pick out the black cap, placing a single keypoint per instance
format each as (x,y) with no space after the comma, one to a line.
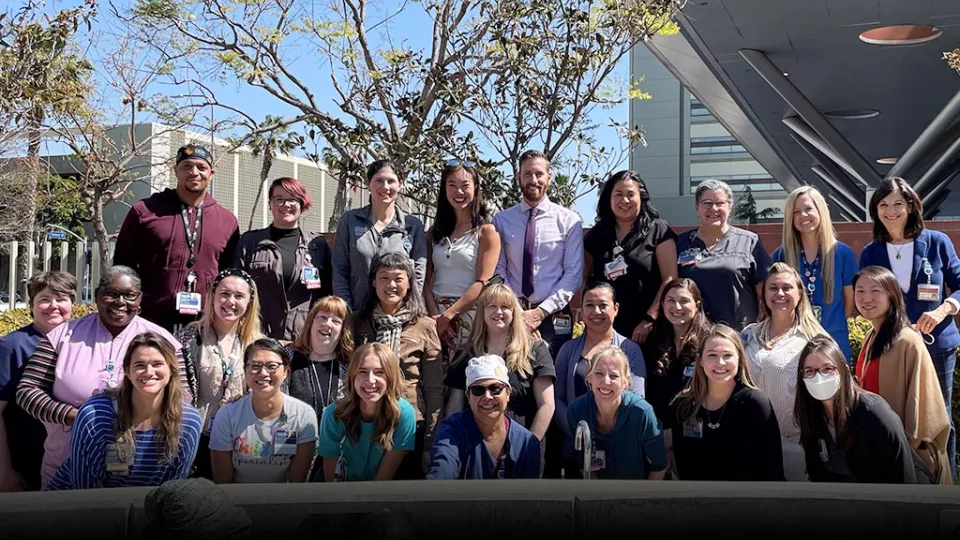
(192,151)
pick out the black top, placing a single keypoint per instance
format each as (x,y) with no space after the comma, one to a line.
(522,407)
(310,381)
(25,434)
(663,387)
(878,451)
(580,377)
(288,240)
(636,289)
(744,445)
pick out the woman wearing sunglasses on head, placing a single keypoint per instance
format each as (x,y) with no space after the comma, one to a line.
(290,266)
(365,435)
(847,433)
(626,435)
(142,434)
(83,358)
(482,442)
(266,436)
(213,350)
(895,363)
(463,254)
(925,264)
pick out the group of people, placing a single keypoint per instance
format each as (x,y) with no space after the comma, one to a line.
(450,353)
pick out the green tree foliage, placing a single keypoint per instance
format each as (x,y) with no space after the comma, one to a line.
(745,210)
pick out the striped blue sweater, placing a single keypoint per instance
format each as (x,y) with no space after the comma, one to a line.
(85,467)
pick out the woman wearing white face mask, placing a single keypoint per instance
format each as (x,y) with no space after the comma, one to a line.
(847,433)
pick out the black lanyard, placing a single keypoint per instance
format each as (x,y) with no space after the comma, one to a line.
(191,234)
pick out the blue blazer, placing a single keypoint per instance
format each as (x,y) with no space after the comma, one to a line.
(937,248)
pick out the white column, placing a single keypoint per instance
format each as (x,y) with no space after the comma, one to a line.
(236,185)
(31,256)
(47,255)
(12,278)
(64,253)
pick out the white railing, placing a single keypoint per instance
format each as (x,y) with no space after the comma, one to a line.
(55,255)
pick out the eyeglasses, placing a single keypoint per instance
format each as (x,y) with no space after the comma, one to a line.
(459,163)
(281,201)
(713,204)
(272,367)
(826,371)
(480,391)
(114,295)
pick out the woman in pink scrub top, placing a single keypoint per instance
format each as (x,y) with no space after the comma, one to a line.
(82,358)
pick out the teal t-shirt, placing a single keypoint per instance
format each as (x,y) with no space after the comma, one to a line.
(364,455)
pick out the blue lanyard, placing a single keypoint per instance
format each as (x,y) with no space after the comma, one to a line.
(809,272)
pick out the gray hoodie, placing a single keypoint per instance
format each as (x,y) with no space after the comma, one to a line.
(357,244)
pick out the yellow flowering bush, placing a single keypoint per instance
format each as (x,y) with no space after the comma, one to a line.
(17,318)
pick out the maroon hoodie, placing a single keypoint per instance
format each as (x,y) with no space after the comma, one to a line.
(153,242)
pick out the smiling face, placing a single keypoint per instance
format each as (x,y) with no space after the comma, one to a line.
(893,211)
(149,371)
(118,302)
(489,406)
(498,316)
(460,189)
(871,300)
(782,293)
(285,208)
(713,208)
(231,299)
(371,380)
(392,286)
(625,200)
(265,372)
(679,306)
(608,379)
(325,332)
(719,360)
(50,309)
(535,177)
(806,217)
(598,310)
(384,186)
(193,175)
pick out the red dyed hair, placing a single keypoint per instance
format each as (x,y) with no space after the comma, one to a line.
(295,188)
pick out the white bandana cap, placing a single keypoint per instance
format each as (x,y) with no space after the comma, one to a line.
(489,366)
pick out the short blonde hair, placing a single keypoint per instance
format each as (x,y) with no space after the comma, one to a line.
(616,352)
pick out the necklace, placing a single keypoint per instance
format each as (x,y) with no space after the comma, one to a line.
(710,423)
(764,336)
(226,365)
(899,250)
(330,392)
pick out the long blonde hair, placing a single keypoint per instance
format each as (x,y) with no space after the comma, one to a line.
(519,344)
(693,396)
(171,408)
(827,238)
(248,330)
(803,316)
(347,410)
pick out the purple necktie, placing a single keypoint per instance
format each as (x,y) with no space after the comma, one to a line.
(528,242)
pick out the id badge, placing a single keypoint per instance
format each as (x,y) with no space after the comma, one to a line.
(688,371)
(615,268)
(694,429)
(562,325)
(928,292)
(310,277)
(818,313)
(284,442)
(188,303)
(598,461)
(689,257)
(119,458)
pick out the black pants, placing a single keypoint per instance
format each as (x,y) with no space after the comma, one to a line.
(411,468)
(202,466)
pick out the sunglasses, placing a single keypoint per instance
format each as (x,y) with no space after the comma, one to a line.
(459,163)
(480,391)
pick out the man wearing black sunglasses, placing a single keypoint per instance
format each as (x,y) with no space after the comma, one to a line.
(482,442)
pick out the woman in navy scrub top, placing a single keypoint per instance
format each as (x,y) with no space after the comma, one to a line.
(825,265)
(727,263)
(924,262)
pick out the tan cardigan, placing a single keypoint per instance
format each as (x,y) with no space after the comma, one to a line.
(908,382)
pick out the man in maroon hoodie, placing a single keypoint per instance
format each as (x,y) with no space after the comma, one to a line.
(178,240)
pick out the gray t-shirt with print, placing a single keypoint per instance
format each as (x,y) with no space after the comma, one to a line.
(237,429)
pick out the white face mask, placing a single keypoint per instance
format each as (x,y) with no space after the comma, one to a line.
(823,387)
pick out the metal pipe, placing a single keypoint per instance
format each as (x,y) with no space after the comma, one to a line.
(806,133)
(934,198)
(928,137)
(582,441)
(798,102)
(833,191)
(925,181)
(842,182)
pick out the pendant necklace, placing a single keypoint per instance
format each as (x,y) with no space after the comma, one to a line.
(710,423)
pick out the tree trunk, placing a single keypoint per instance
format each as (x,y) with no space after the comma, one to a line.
(30,198)
(339,202)
(99,229)
(264,173)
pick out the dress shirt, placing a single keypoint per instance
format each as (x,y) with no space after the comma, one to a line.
(558,258)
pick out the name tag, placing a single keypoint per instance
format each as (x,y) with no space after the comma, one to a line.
(119,458)
(615,268)
(598,461)
(928,292)
(562,325)
(818,313)
(694,429)
(310,277)
(188,303)
(284,443)
(689,257)
(688,371)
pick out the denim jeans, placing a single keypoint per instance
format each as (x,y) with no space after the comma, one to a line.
(945,363)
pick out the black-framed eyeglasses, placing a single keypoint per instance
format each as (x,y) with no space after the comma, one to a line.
(494,389)
(114,295)
(460,163)
(826,371)
(281,201)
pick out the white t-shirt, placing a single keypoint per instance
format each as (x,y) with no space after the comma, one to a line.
(237,429)
(902,267)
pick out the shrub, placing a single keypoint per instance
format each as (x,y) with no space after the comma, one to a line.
(17,318)
(858,327)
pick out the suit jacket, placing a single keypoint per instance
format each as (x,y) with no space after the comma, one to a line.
(937,248)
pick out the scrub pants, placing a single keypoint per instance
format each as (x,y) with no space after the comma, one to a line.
(945,363)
